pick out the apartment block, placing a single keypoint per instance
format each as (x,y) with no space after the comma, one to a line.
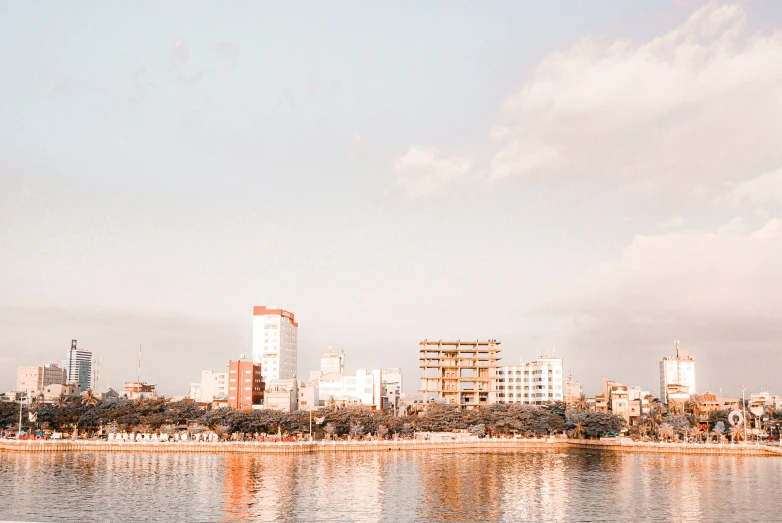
(245,384)
(35,379)
(534,383)
(677,376)
(460,372)
(275,342)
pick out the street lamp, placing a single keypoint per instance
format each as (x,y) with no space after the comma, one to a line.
(744,412)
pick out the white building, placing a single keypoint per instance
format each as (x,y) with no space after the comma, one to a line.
(309,396)
(275,342)
(332,361)
(679,370)
(534,383)
(281,395)
(78,363)
(194,392)
(213,384)
(392,387)
(35,379)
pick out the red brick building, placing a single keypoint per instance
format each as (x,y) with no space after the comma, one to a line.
(245,384)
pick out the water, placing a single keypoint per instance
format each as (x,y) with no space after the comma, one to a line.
(402,486)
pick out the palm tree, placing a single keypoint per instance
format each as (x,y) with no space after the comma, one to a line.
(666,431)
(676,408)
(89,398)
(581,404)
(64,401)
(577,432)
(737,433)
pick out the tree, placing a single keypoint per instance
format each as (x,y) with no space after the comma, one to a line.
(597,423)
(356,430)
(330,429)
(737,433)
(581,404)
(577,431)
(381,431)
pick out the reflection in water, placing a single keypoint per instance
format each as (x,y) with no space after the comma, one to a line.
(394,486)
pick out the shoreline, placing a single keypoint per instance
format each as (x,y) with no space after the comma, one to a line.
(318,447)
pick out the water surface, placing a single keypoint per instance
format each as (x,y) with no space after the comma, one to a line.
(462,485)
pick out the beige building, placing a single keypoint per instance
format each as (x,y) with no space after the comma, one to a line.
(281,395)
(53,392)
(460,372)
(36,379)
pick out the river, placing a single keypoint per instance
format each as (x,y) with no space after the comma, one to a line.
(464,485)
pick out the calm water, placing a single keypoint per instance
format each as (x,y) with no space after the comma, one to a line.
(444,486)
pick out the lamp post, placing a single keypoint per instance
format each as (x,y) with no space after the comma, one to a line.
(744,412)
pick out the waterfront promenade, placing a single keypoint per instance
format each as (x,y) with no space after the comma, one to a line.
(488,445)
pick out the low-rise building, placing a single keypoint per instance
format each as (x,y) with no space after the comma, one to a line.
(135,390)
(309,398)
(281,395)
(35,379)
(54,392)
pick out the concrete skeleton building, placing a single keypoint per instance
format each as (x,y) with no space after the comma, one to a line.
(275,342)
(678,371)
(535,383)
(460,372)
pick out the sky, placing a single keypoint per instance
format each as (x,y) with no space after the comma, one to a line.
(589,179)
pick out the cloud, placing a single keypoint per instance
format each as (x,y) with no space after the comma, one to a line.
(766,188)
(733,225)
(424,171)
(772,229)
(696,105)
(672,223)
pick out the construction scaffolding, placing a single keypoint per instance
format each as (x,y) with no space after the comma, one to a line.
(460,372)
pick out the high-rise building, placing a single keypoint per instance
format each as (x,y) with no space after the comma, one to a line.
(34,379)
(79,366)
(534,383)
(275,342)
(245,384)
(679,371)
(460,372)
(392,387)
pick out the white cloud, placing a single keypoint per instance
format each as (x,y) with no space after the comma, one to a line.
(733,225)
(765,188)
(672,223)
(772,229)
(715,287)
(699,104)
(424,171)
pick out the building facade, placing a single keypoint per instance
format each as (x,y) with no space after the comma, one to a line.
(213,384)
(535,383)
(275,342)
(678,370)
(135,390)
(460,372)
(34,379)
(245,384)
(281,395)
(78,363)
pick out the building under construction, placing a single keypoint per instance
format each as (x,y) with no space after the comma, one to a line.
(460,372)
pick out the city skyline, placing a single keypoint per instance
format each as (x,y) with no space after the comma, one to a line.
(603,181)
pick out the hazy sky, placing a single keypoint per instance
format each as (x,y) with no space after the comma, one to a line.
(599,177)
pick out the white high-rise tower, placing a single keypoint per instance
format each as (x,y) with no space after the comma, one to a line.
(275,342)
(677,371)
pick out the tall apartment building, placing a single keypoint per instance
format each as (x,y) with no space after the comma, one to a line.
(245,384)
(680,371)
(35,379)
(78,363)
(534,383)
(275,342)
(460,372)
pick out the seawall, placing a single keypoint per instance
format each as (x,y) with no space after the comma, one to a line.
(485,445)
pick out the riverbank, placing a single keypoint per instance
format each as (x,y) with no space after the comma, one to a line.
(486,445)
